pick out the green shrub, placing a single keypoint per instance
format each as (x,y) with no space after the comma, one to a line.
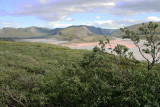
(36,74)
(96,81)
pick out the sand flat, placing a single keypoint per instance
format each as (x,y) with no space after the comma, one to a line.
(90,45)
(113,43)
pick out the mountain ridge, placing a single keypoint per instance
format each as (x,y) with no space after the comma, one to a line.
(75,31)
(40,32)
(134,28)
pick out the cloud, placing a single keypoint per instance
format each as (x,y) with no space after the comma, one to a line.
(108,24)
(69,19)
(43,1)
(53,10)
(57,10)
(153,18)
(28,6)
(112,24)
(97,17)
(104,22)
(127,22)
(143,5)
(3,12)
(57,25)
(9,24)
(132,7)
(51,17)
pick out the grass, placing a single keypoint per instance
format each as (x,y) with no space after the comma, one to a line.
(25,68)
(39,74)
(30,57)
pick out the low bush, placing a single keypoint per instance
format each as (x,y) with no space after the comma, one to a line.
(35,74)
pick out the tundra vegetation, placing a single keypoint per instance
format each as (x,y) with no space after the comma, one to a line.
(151,46)
(38,75)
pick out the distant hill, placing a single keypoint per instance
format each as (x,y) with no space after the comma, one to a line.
(77,33)
(30,32)
(72,33)
(118,33)
(100,31)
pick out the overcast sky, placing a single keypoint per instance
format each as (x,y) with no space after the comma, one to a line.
(111,14)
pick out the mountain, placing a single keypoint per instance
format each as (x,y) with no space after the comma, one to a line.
(77,33)
(118,33)
(30,32)
(100,31)
(70,33)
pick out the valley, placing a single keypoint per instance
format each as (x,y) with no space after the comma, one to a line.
(64,69)
(79,37)
(79,53)
(90,45)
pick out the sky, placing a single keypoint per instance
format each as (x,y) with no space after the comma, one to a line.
(109,14)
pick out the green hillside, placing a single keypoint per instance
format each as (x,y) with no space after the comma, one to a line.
(73,33)
(41,57)
(45,75)
(23,32)
(78,34)
(118,33)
